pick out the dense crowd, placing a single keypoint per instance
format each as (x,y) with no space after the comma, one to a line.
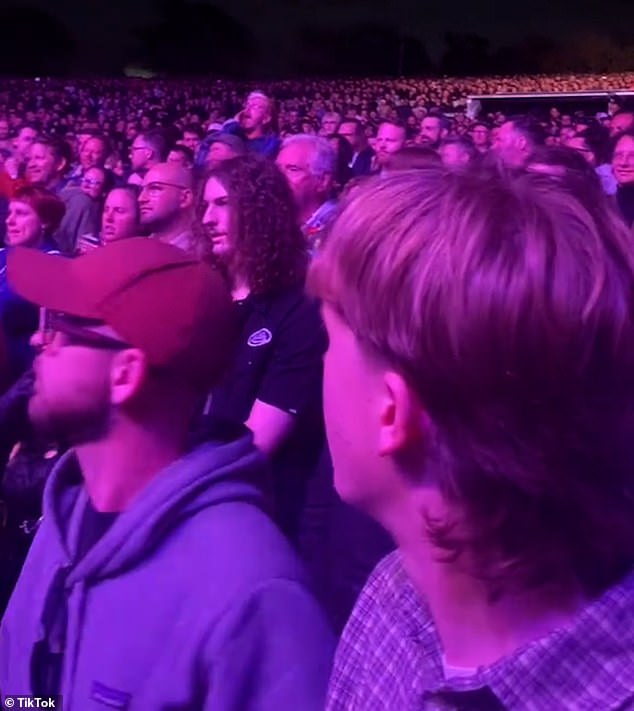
(259,342)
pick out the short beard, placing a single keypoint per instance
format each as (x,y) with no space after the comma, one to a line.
(71,428)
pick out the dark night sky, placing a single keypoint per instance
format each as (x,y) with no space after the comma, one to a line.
(101,26)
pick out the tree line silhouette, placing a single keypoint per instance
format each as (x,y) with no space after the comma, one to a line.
(191,37)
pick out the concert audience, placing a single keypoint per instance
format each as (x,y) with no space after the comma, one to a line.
(48,163)
(431,371)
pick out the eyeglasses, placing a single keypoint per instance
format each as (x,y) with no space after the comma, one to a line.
(76,332)
(91,183)
(156,188)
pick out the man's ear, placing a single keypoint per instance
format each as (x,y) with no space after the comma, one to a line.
(404,422)
(128,372)
(188,198)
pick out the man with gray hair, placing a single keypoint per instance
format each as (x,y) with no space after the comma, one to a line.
(330,123)
(309,162)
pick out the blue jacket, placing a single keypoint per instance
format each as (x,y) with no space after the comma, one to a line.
(191,600)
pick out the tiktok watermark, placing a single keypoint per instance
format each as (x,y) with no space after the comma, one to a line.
(32,702)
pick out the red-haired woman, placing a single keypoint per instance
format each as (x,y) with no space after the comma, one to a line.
(34,215)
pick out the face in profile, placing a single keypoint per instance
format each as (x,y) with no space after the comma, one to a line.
(162,197)
(71,394)
(352,401)
(217,220)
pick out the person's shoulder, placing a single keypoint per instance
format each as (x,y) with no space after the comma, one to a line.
(381,600)
(287,300)
(388,581)
(71,194)
(294,307)
(385,620)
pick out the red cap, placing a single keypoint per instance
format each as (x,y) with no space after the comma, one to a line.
(173,307)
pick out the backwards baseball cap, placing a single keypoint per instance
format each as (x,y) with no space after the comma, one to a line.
(173,307)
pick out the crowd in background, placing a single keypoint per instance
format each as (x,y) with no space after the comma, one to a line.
(253,181)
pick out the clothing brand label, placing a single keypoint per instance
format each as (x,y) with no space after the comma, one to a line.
(260,338)
(109,697)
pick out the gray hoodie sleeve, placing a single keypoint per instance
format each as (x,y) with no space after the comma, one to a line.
(271,651)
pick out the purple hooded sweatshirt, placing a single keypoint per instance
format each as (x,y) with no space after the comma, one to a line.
(192,599)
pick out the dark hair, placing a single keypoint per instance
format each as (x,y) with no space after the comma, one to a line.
(195,128)
(530,128)
(133,192)
(108,179)
(269,243)
(445,123)
(187,152)
(99,136)
(343,172)
(359,129)
(48,207)
(59,148)
(157,142)
(597,138)
(465,142)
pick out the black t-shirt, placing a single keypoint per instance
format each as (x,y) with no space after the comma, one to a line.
(279,362)
(49,653)
(93,526)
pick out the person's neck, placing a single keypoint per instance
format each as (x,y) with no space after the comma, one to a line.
(120,466)
(474,629)
(169,232)
(256,132)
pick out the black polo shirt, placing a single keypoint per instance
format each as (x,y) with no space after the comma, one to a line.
(279,361)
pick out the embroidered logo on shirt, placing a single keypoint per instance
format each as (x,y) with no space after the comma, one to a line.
(260,338)
(110,697)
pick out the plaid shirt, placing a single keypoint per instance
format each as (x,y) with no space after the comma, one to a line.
(389,658)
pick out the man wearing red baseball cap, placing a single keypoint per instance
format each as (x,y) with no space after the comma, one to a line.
(156,580)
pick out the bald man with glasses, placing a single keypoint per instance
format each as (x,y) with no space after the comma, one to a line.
(166,204)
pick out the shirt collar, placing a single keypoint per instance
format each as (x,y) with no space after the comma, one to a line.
(587,665)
